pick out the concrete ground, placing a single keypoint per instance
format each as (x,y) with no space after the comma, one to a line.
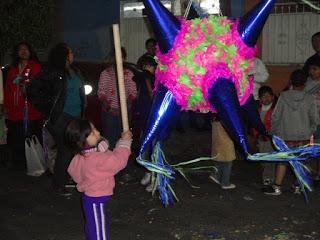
(29,210)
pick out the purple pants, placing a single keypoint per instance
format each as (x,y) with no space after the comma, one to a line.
(96,226)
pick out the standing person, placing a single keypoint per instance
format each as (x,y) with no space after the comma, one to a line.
(267,104)
(24,66)
(313,81)
(294,119)
(59,93)
(145,84)
(260,75)
(223,151)
(150,45)
(3,128)
(313,87)
(93,169)
(315,41)
(109,97)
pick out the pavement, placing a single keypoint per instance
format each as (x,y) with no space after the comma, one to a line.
(30,210)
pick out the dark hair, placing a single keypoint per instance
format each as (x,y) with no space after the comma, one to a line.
(265,89)
(76,134)
(314,62)
(148,60)
(317,34)
(298,78)
(150,40)
(112,53)
(15,53)
(58,56)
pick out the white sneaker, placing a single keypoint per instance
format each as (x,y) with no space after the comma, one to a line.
(149,188)
(230,186)
(267,182)
(146,179)
(273,190)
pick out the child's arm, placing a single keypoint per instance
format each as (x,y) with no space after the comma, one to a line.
(103,87)
(313,114)
(118,158)
(74,169)
(276,116)
(131,88)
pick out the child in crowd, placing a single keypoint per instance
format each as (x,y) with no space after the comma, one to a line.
(294,119)
(223,151)
(145,86)
(266,100)
(93,169)
(313,87)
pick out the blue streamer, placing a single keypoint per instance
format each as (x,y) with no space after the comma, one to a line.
(293,155)
(164,174)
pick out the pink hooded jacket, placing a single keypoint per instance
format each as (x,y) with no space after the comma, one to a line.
(94,171)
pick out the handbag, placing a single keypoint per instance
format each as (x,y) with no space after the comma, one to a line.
(49,146)
(34,156)
(34,152)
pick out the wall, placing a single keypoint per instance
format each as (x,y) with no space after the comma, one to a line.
(237,8)
(86,26)
(279,74)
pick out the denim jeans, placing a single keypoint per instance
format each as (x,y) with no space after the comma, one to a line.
(224,172)
(64,154)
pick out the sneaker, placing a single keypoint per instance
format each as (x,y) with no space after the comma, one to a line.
(127,177)
(230,186)
(273,190)
(70,184)
(214,178)
(296,190)
(149,188)
(267,182)
(146,179)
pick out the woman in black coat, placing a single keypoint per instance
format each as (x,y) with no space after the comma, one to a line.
(58,92)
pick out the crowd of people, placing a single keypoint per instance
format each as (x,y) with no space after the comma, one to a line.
(54,94)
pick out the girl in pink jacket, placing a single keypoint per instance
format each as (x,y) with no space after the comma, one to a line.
(93,169)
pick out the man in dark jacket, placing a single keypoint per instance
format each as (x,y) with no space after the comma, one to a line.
(315,40)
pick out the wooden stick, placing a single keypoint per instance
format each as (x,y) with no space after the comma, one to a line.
(122,93)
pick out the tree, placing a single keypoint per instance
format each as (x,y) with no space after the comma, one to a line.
(26,20)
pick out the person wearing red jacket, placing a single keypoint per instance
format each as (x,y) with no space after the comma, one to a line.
(24,66)
(267,103)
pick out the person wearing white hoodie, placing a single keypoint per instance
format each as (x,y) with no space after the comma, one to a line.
(260,75)
(294,119)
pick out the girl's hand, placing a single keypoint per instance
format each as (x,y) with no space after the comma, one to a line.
(127,135)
